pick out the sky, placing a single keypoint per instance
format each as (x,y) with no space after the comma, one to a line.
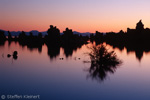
(78,15)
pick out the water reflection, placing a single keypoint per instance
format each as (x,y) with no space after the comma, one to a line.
(53,50)
(2,43)
(68,49)
(102,62)
(134,40)
(13,56)
(38,75)
(138,49)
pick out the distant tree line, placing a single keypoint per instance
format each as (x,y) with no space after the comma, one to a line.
(53,37)
(54,40)
(134,39)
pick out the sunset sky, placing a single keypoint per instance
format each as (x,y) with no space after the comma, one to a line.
(79,15)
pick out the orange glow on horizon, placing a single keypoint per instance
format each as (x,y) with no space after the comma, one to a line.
(102,16)
(116,27)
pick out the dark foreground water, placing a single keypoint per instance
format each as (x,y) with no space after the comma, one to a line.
(64,76)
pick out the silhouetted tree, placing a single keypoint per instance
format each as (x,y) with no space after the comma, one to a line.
(22,38)
(2,37)
(92,37)
(31,34)
(53,35)
(71,42)
(68,36)
(9,36)
(40,35)
(140,26)
(22,35)
(98,37)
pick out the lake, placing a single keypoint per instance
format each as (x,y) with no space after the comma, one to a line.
(62,74)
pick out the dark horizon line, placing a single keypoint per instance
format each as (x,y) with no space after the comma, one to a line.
(140,22)
(46,31)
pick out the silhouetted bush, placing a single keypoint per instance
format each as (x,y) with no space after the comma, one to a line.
(102,62)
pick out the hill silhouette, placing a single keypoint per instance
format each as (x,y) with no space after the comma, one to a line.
(35,33)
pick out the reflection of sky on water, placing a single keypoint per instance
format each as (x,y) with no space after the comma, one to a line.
(35,73)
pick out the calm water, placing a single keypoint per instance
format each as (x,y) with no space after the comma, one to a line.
(37,72)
